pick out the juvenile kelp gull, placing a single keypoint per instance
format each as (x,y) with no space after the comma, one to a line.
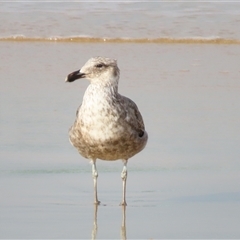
(108,126)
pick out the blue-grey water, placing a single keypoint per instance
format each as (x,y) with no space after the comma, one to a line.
(185,184)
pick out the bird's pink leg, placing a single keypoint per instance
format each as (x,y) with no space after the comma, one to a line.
(95,176)
(124,179)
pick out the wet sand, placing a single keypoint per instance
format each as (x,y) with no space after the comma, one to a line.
(183,185)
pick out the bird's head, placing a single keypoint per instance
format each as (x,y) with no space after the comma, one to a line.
(98,70)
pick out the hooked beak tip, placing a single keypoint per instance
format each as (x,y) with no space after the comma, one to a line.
(74,76)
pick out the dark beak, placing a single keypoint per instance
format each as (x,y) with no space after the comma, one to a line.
(74,76)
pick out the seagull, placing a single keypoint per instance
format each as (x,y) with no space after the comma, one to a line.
(108,126)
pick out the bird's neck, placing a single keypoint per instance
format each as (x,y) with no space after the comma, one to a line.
(107,88)
(99,92)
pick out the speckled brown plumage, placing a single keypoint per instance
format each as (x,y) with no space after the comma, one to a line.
(126,139)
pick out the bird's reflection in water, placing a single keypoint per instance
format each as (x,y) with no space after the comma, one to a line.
(95,226)
(123,226)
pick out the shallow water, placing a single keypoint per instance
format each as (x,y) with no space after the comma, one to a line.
(183,185)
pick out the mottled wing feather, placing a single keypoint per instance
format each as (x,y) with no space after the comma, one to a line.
(133,116)
(78,110)
(74,133)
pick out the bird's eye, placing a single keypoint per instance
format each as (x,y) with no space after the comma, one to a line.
(100,65)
